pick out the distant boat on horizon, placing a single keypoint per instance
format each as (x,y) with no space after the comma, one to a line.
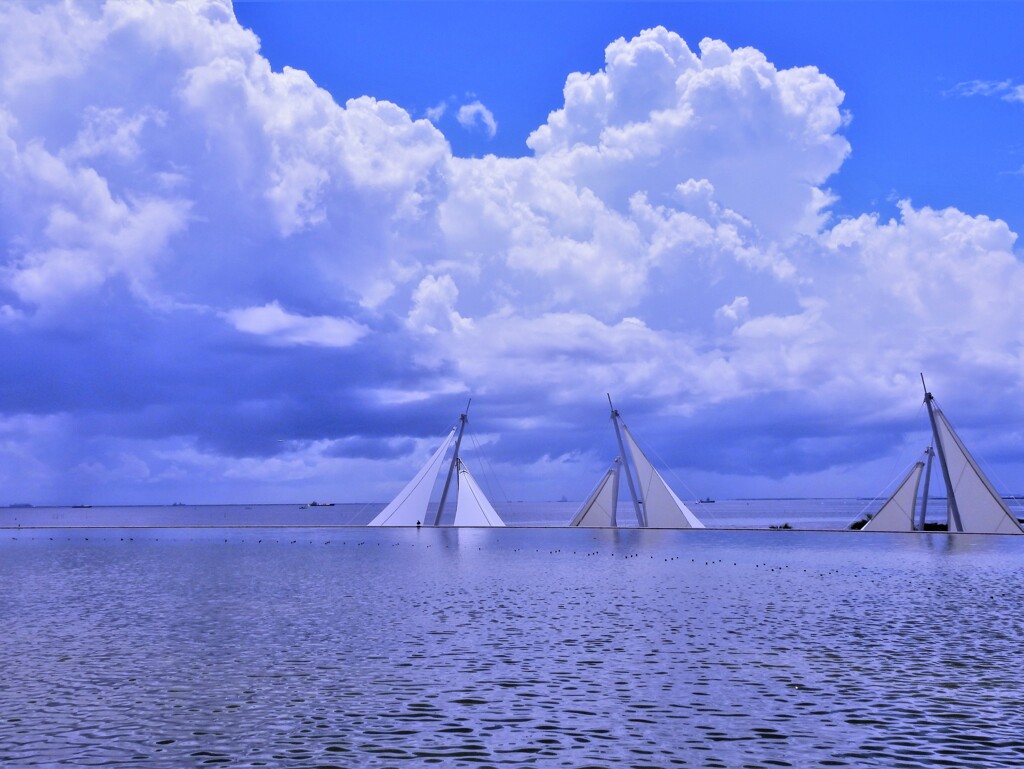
(972,504)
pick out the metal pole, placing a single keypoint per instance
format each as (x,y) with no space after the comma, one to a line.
(451,468)
(613,518)
(952,511)
(641,519)
(927,482)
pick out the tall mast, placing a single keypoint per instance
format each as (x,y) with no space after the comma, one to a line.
(640,519)
(613,520)
(452,467)
(927,482)
(953,512)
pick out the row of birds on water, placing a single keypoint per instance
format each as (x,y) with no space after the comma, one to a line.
(556,551)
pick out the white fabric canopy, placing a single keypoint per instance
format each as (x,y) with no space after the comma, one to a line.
(410,506)
(473,508)
(662,508)
(982,510)
(599,509)
(897,514)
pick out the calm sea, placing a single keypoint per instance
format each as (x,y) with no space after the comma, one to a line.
(289,643)
(730,514)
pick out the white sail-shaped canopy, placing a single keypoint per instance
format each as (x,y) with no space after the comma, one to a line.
(472,507)
(599,509)
(981,510)
(410,506)
(897,514)
(662,508)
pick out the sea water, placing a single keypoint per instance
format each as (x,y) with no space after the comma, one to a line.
(828,514)
(355,647)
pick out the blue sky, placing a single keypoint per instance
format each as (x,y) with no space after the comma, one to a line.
(899,64)
(267,252)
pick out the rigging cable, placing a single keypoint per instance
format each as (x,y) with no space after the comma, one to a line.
(488,470)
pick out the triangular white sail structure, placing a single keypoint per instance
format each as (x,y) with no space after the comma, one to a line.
(662,509)
(973,506)
(655,504)
(897,514)
(473,508)
(600,507)
(409,508)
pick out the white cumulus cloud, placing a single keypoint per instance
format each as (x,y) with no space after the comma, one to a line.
(474,115)
(435,113)
(659,114)
(175,211)
(281,327)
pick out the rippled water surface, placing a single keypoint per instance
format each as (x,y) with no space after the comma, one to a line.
(518,647)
